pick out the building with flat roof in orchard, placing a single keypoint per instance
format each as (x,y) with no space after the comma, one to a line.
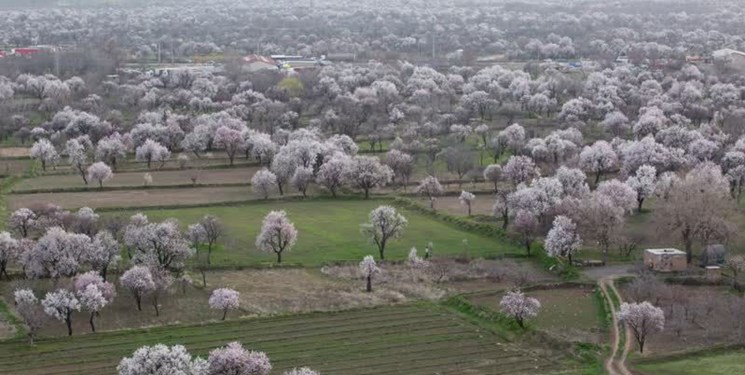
(665,260)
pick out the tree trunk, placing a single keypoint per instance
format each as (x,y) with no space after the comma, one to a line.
(640,201)
(155,305)
(367,193)
(138,298)
(93,326)
(279,257)
(224,313)
(597,178)
(641,346)
(209,254)
(369,283)
(527,245)
(281,191)
(570,259)
(204,278)
(68,321)
(100,184)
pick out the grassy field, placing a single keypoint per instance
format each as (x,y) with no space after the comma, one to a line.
(135,179)
(346,343)
(727,363)
(329,231)
(567,312)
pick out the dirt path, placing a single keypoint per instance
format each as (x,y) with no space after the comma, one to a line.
(613,365)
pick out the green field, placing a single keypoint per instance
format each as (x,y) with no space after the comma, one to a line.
(727,363)
(329,231)
(411,340)
(567,312)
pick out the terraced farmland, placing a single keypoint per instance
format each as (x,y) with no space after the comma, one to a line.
(423,339)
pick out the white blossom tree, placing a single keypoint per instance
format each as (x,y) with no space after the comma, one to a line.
(30,311)
(384,225)
(263,182)
(331,175)
(466,199)
(430,187)
(60,305)
(22,221)
(643,183)
(493,174)
(600,158)
(152,151)
(520,169)
(78,157)
(563,239)
(158,244)
(225,299)
(99,172)
(139,281)
(9,252)
(161,359)
(644,319)
(44,151)
(368,269)
(278,234)
(104,253)
(366,173)
(302,178)
(231,140)
(518,306)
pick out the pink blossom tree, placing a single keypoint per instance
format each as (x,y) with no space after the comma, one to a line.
(139,281)
(99,172)
(94,294)
(368,269)
(643,318)
(520,307)
(331,175)
(60,305)
(520,169)
(527,226)
(231,140)
(225,299)
(278,234)
(263,182)
(233,359)
(384,224)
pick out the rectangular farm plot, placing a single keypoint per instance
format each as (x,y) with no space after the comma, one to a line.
(422,339)
(718,363)
(136,198)
(569,312)
(136,179)
(329,231)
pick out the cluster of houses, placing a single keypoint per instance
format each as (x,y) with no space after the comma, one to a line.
(26,51)
(255,63)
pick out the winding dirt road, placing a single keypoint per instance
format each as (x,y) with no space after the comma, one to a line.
(615,364)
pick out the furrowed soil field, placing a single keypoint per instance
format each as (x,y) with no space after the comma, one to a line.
(329,232)
(135,179)
(346,343)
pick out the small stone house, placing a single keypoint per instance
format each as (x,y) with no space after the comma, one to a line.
(665,260)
